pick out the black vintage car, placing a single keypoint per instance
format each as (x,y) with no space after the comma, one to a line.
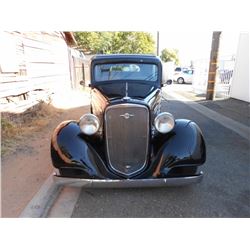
(126,141)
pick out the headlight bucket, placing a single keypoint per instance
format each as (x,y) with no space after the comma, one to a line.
(164,122)
(89,124)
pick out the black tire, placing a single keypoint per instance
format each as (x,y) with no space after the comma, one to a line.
(180,80)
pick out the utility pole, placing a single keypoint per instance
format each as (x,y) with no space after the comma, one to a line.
(213,65)
(158,36)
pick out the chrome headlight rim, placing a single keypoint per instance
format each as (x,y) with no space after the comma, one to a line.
(170,124)
(87,118)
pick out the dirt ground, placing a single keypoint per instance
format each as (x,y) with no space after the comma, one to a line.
(26,167)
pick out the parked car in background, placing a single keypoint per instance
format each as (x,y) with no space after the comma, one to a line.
(183,75)
(126,140)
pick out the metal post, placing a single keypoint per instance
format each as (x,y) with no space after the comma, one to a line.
(158,36)
(213,65)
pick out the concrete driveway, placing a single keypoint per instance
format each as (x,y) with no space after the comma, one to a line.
(224,191)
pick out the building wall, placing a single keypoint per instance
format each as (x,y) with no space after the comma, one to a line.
(240,83)
(226,62)
(32,61)
(77,67)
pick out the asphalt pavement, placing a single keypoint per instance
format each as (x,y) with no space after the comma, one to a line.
(223,192)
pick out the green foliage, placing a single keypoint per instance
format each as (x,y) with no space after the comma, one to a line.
(168,55)
(115,42)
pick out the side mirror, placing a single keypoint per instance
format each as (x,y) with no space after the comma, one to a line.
(85,83)
(168,82)
(82,82)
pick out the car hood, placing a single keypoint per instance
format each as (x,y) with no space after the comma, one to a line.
(118,90)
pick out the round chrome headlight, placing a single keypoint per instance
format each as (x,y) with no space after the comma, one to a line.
(89,124)
(164,122)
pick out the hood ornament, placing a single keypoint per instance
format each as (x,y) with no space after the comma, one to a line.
(126,97)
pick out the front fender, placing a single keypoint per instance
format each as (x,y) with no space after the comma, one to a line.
(73,155)
(184,147)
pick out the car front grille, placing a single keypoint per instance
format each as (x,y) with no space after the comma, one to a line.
(127,137)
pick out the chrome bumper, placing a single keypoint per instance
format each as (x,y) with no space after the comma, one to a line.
(127,183)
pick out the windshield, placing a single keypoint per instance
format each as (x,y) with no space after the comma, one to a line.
(126,71)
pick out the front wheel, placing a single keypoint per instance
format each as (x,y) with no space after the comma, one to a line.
(180,80)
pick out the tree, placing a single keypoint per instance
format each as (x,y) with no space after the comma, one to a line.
(168,55)
(115,42)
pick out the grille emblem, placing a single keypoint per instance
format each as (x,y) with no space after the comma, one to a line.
(127,115)
(127,168)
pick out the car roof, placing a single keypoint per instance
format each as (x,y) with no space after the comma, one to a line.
(127,57)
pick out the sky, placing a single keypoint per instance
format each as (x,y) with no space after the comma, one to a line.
(196,45)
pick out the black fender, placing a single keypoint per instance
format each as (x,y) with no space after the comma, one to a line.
(74,156)
(180,151)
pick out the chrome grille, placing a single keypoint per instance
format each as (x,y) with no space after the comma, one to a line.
(127,137)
